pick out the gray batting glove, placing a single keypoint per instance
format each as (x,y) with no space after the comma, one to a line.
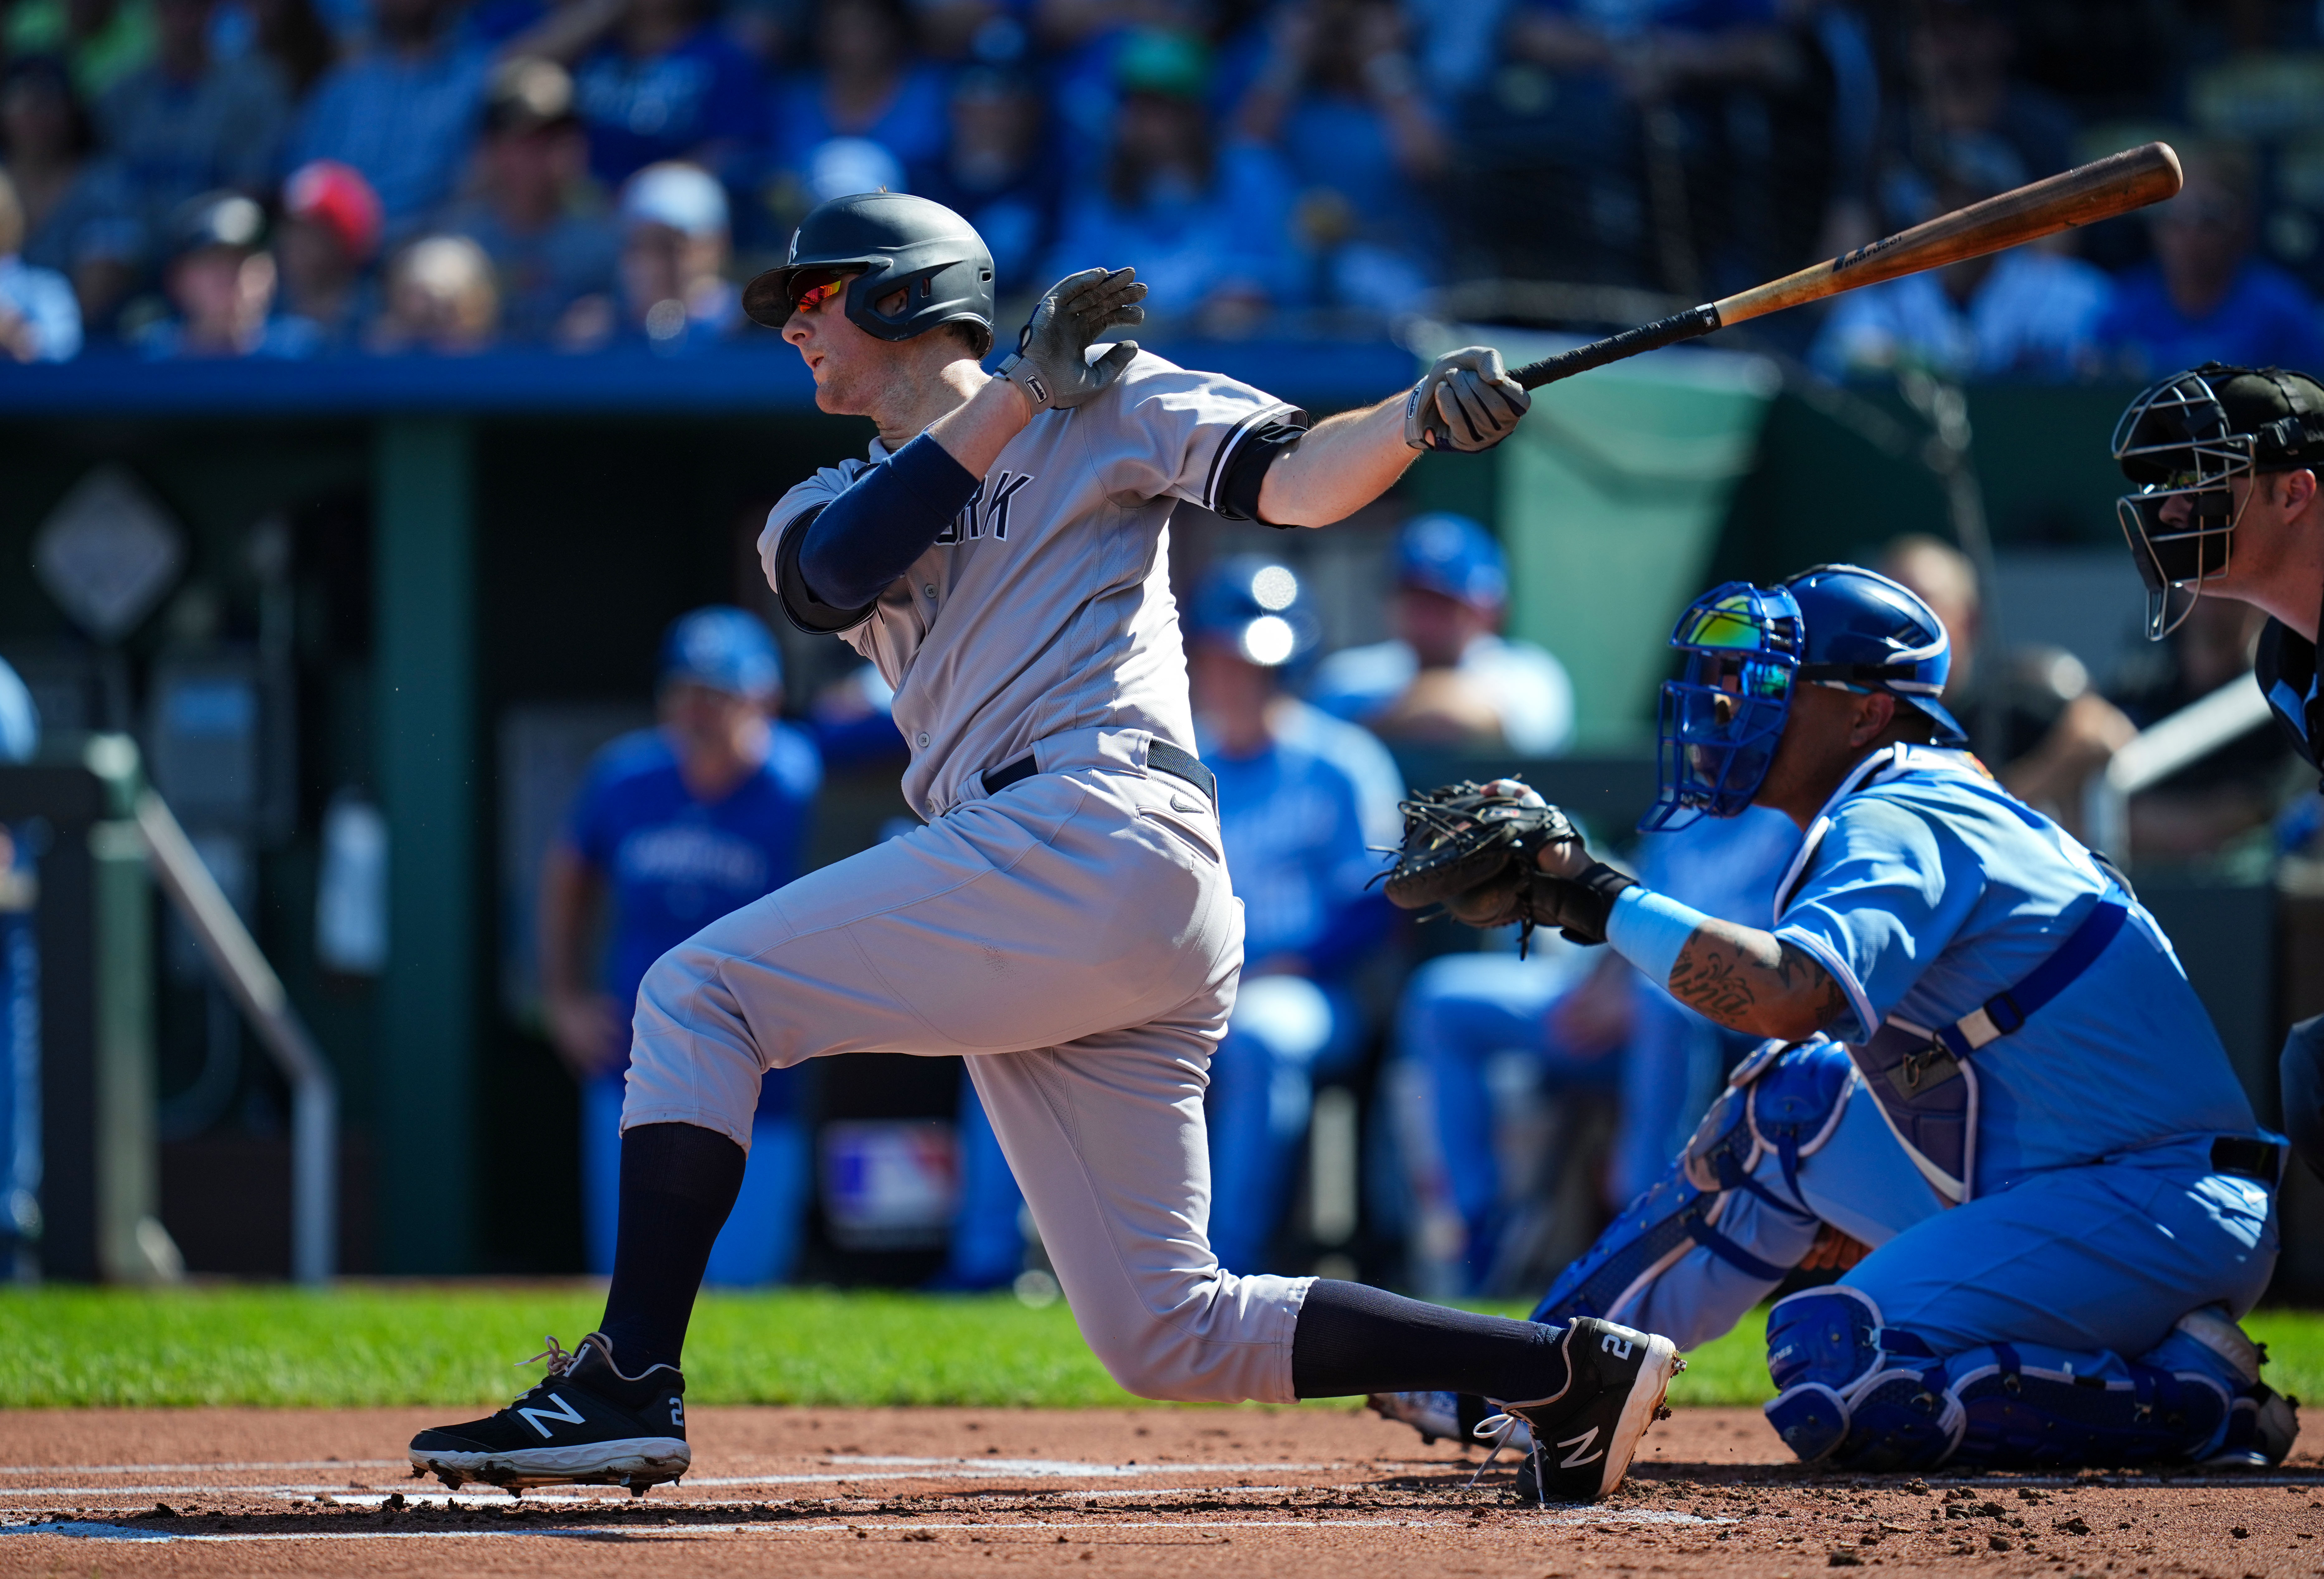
(1051,364)
(1467,402)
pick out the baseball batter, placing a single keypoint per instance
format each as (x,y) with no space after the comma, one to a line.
(1065,918)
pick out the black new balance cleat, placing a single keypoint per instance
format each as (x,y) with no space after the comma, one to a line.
(1583,1438)
(585,1424)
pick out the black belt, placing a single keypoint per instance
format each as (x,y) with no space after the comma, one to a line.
(2248,1156)
(1160,756)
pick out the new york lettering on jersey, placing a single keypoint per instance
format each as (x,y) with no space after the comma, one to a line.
(1082,499)
(986,510)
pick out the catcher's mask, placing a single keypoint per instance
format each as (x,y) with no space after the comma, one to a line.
(2189,437)
(1748,647)
(1722,716)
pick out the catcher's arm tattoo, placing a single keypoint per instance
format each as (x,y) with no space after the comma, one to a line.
(1752,981)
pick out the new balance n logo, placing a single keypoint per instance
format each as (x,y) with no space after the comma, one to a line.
(1581,1454)
(563,1411)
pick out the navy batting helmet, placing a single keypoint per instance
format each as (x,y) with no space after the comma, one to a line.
(884,242)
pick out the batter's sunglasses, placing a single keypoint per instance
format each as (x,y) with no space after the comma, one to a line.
(810,291)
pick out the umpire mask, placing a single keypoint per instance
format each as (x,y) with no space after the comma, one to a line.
(2189,437)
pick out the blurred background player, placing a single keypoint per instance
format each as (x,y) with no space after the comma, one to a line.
(1305,803)
(1447,677)
(679,826)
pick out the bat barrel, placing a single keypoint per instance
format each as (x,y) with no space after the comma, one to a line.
(2107,187)
(2101,190)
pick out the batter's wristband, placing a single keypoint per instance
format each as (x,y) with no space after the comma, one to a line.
(1651,930)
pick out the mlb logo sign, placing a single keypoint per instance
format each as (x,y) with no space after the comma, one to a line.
(889,1184)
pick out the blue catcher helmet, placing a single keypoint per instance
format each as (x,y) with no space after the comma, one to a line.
(1257,606)
(725,648)
(1747,647)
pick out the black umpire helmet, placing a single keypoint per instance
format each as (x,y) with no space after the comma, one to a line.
(890,242)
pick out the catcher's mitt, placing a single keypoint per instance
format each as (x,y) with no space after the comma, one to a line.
(1470,847)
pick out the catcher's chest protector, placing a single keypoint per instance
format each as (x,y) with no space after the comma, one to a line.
(1922,1076)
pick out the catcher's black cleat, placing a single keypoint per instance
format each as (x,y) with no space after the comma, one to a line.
(1584,1438)
(585,1424)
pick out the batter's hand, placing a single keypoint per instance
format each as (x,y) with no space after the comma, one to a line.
(1467,402)
(1051,364)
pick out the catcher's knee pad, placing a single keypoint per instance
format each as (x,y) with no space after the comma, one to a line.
(1853,1390)
(2026,1404)
(1784,1101)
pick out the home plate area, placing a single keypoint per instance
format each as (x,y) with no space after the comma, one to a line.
(1129,1492)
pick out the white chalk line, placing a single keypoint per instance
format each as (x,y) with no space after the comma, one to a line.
(618,1498)
(195,1469)
(86,1529)
(876,1471)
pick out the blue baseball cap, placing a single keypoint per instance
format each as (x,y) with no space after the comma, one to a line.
(726,648)
(1453,555)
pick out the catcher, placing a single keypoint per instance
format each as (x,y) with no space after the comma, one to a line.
(1984,1063)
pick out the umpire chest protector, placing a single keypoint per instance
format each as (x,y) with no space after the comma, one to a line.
(1924,1077)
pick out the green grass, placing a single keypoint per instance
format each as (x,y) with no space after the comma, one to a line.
(366,1345)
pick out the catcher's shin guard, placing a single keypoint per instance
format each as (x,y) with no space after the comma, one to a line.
(1854,1391)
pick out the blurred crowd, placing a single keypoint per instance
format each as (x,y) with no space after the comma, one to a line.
(307,178)
(1517,1093)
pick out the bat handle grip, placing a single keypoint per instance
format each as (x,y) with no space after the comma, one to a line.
(1669,331)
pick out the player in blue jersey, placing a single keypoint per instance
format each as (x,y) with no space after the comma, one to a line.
(1984,1064)
(679,826)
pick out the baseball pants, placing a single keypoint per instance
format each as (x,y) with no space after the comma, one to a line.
(1075,937)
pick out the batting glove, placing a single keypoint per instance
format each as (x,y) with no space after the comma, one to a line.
(1051,362)
(1467,402)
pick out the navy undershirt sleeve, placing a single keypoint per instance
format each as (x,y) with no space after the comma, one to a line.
(870,534)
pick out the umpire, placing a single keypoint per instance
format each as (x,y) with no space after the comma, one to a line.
(2225,461)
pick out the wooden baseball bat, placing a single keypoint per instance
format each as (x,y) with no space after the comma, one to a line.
(2114,185)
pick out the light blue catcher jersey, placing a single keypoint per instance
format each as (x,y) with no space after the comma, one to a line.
(1925,888)
(1303,822)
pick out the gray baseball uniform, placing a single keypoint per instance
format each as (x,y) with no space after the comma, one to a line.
(1074,933)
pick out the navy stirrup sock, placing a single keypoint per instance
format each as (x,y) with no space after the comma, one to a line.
(1352,1338)
(678,1183)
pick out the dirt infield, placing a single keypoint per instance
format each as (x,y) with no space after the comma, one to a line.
(1193,1492)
